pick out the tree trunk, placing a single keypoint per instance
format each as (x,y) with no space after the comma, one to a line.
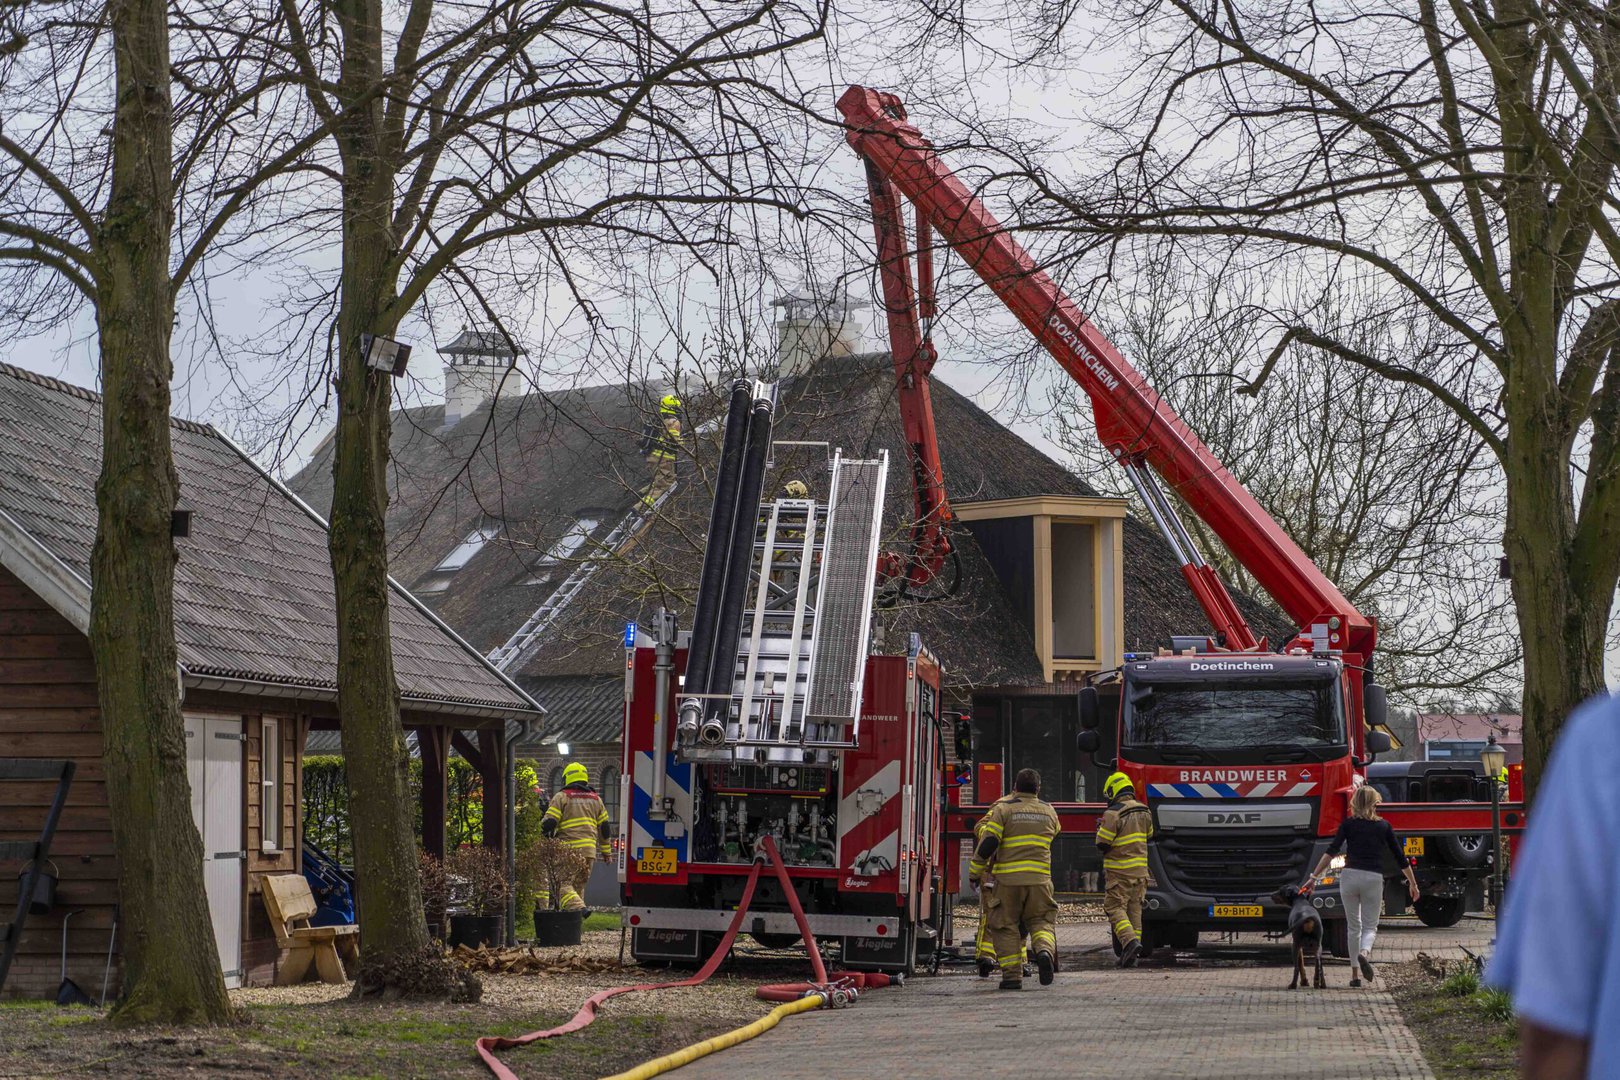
(393,927)
(171,967)
(1562,619)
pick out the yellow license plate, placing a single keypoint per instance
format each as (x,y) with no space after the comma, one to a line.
(1414,845)
(1235,911)
(656,860)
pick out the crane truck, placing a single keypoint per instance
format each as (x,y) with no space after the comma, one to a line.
(1246,753)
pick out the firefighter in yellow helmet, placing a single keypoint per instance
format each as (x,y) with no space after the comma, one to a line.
(984,948)
(660,443)
(577,817)
(795,489)
(1015,846)
(1122,837)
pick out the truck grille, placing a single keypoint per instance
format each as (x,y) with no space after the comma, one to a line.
(1231,864)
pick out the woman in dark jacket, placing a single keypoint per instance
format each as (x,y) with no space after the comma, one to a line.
(1365,837)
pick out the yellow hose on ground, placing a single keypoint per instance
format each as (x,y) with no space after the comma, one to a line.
(689,1054)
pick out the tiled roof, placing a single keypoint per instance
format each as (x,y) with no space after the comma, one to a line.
(253,584)
(579,708)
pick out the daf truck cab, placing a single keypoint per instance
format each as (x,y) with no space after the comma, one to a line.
(1246,761)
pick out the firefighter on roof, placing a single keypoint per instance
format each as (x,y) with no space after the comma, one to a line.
(660,444)
(577,817)
(1122,837)
(1015,846)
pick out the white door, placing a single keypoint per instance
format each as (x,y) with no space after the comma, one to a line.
(214,767)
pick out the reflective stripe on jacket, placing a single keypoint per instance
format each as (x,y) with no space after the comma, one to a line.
(581,820)
(665,445)
(1124,831)
(1024,828)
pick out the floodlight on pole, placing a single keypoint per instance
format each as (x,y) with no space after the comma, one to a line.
(1494,758)
(384,354)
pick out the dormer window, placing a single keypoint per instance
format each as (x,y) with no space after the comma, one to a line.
(463,552)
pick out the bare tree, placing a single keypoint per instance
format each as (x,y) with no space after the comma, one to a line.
(476,150)
(1376,481)
(1450,164)
(94,196)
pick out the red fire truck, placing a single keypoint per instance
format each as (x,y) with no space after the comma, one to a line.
(1246,753)
(768,719)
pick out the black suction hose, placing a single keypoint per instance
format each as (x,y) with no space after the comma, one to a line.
(723,667)
(711,583)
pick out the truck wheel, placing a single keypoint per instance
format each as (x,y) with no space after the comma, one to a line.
(1338,937)
(1464,852)
(1440,911)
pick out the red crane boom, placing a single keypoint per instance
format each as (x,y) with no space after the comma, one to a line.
(1136,426)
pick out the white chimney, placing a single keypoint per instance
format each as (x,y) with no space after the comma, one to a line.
(476,370)
(812,329)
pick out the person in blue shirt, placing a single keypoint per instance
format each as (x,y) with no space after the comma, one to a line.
(1558,944)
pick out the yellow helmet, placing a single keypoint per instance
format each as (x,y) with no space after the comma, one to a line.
(795,489)
(1116,783)
(670,404)
(574,773)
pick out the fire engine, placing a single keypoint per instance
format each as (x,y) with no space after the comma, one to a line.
(768,718)
(1245,753)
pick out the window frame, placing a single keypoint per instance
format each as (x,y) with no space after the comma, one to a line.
(270,781)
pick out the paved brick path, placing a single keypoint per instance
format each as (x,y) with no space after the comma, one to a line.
(1228,1014)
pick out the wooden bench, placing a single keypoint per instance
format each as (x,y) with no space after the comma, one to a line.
(289,903)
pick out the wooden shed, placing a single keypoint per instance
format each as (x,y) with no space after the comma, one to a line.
(257,647)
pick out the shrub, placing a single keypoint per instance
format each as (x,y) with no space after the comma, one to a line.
(545,864)
(435,888)
(481,874)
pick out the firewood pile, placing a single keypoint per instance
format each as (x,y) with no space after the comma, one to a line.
(531,961)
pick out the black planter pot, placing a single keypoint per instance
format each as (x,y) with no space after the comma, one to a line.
(475,930)
(557,927)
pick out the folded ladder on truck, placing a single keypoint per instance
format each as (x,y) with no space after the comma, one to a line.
(34,852)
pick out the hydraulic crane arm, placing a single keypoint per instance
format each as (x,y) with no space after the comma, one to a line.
(1135,425)
(909,310)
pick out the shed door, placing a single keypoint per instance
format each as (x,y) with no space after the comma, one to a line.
(214,766)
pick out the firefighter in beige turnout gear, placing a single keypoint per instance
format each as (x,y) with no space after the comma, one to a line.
(1015,847)
(576,817)
(984,949)
(1123,836)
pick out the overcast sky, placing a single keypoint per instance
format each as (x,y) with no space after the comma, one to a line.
(240,395)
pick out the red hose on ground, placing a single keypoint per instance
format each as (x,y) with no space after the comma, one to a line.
(489,1044)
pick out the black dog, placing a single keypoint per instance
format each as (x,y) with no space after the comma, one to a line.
(1305,925)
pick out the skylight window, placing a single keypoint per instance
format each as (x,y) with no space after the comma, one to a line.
(570,541)
(464,551)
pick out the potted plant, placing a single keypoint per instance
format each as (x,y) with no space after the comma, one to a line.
(478,878)
(435,893)
(546,866)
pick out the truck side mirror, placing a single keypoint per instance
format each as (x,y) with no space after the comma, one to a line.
(1090,709)
(964,739)
(1378,742)
(1375,707)
(1089,742)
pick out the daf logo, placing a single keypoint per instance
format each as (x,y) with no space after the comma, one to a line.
(1233,819)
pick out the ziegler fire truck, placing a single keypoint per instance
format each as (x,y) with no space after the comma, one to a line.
(1246,754)
(769,719)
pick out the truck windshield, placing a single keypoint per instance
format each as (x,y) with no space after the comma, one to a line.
(1230,716)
